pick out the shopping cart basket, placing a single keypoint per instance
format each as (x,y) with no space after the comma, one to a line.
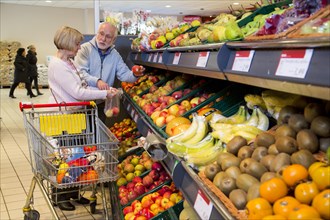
(70,148)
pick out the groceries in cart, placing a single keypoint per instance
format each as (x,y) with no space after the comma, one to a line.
(112,105)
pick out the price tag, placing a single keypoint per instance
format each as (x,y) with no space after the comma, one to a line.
(176,58)
(136,116)
(128,108)
(243,60)
(160,58)
(294,63)
(136,56)
(155,57)
(203,57)
(203,206)
(150,57)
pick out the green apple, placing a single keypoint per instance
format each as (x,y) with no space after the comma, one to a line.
(169,36)
(140,167)
(130,176)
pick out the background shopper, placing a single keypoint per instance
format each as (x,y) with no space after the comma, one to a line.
(21,73)
(68,85)
(33,69)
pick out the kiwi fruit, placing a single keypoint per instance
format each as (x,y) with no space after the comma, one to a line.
(256,169)
(235,144)
(264,139)
(267,160)
(286,144)
(285,114)
(218,178)
(245,181)
(233,172)
(272,149)
(227,185)
(239,198)
(321,126)
(211,170)
(306,139)
(312,110)
(285,130)
(223,156)
(245,152)
(267,176)
(303,157)
(324,144)
(244,164)
(259,153)
(281,160)
(229,162)
(253,192)
(298,122)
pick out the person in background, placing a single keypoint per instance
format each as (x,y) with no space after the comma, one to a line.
(101,63)
(21,73)
(68,85)
(33,69)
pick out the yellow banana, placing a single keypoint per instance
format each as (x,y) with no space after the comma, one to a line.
(263,123)
(253,120)
(201,131)
(237,118)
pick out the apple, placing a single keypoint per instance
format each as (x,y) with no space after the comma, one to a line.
(154,175)
(115,111)
(158,200)
(129,177)
(141,217)
(122,189)
(148,214)
(177,94)
(140,167)
(147,181)
(148,163)
(157,166)
(163,113)
(160,121)
(178,198)
(109,113)
(147,203)
(124,200)
(159,44)
(155,208)
(167,194)
(129,216)
(164,202)
(129,168)
(169,204)
(174,110)
(139,188)
(186,104)
(171,100)
(137,70)
(130,186)
(173,197)
(169,118)
(137,179)
(127,210)
(194,101)
(155,115)
(169,36)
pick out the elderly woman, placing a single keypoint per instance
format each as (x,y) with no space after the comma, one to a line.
(33,69)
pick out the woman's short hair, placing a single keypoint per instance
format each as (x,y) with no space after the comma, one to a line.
(20,51)
(31,47)
(67,38)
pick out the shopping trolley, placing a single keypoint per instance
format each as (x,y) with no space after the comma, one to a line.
(70,148)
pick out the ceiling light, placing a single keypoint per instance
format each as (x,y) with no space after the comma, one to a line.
(168,6)
(48,1)
(235,3)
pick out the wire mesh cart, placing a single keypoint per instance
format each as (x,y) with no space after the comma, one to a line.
(70,150)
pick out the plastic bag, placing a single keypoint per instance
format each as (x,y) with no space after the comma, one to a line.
(112,105)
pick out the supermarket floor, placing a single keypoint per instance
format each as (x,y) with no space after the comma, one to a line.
(16,172)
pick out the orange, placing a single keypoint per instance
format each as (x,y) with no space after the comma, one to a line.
(321,203)
(294,173)
(304,212)
(285,205)
(305,192)
(258,208)
(273,189)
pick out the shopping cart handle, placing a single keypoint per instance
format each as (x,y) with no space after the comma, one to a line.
(27,105)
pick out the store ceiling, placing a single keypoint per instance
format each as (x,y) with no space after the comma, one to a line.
(182,7)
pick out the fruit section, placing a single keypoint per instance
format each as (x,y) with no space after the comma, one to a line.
(246,131)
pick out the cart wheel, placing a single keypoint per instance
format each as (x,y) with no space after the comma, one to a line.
(32,215)
(93,207)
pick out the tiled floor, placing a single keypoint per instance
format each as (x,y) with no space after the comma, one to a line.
(16,172)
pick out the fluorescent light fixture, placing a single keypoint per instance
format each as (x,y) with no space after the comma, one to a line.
(148,10)
(48,1)
(168,6)
(235,3)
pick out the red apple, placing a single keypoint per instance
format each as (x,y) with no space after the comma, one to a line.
(147,181)
(157,166)
(154,195)
(159,44)
(160,121)
(137,179)
(124,200)
(127,209)
(154,175)
(130,186)
(137,70)
(147,203)
(174,110)
(132,195)
(139,188)
(115,111)
(177,94)
(122,189)
(167,194)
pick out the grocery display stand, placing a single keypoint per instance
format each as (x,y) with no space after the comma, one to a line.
(258,68)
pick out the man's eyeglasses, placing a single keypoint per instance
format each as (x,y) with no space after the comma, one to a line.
(107,36)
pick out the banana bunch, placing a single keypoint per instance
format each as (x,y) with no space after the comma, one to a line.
(224,128)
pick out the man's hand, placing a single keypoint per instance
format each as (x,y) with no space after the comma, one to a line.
(102,85)
(138,70)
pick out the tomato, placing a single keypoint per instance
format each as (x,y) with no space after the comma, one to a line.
(294,173)
(304,212)
(321,203)
(285,205)
(321,176)
(274,217)
(258,208)
(273,189)
(305,192)
(89,149)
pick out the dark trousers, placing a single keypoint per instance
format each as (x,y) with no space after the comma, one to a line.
(15,84)
(35,79)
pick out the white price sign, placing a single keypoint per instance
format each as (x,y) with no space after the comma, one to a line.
(155,57)
(203,206)
(136,56)
(150,57)
(176,58)
(203,57)
(294,63)
(160,59)
(242,61)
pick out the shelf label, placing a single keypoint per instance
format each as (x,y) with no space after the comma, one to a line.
(243,60)
(294,63)
(203,57)
(136,56)
(160,58)
(136,116)
(150,57)
(176,58)
(203,206)
(155,57)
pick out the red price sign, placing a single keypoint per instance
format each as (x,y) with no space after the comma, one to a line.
(203,206)
(294,63)
(203,57)
(176,58)
(243,60)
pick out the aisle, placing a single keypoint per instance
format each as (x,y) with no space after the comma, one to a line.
(16,173)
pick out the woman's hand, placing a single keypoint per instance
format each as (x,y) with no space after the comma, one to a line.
(102,85)
(111,92)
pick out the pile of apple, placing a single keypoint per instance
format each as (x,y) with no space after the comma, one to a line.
(144,85)
(153,204)
(127,85)
(124,129)
(132,166)
(127,144)
(141,185)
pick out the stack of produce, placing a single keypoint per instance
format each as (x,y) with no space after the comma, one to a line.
(124,129)
(7,57)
